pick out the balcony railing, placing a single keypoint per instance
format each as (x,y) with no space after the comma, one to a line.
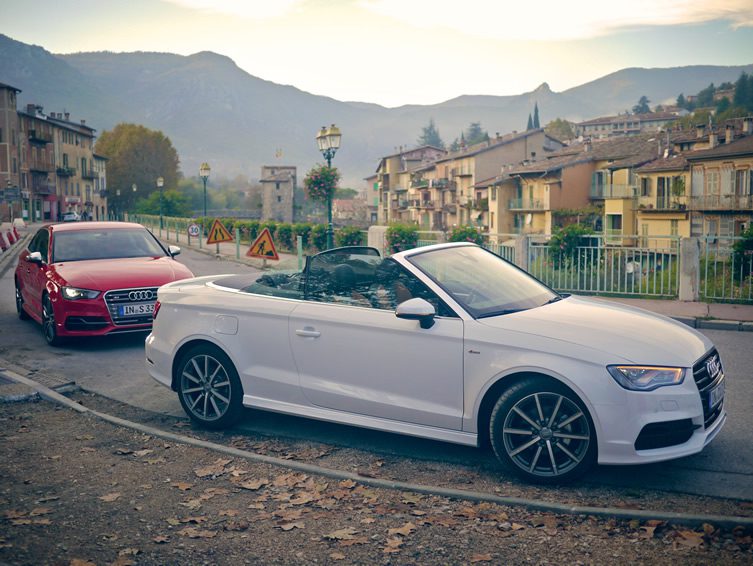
(42,189)
(526,204)
(421,204)
(439,183)
(40,137)
(461,172)
(419,184)
(41,166)
(722,202)
(66,171)
(662,204)
(89,174)
(613,190)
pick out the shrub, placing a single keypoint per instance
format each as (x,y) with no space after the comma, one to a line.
(348,236)
(304,231)
(742,253)
(565,242)
(466,234)
(284,236)
(401,237)
(319,236)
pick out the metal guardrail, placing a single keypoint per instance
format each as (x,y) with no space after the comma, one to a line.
(600,268)
(725,273)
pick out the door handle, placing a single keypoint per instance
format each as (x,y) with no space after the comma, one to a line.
(308,332)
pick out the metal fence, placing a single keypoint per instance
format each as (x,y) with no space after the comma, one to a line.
(725,272)
(648,270)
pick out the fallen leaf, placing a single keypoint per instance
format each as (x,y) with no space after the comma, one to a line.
(195,520)
(193,532)
(690,539)
(342,534)
(236,526)
(79,562)
(347,484)
(183,486)
(517,526)
(254,485)
(129,552)
(405,530)
(87,449)
(229,513)
(161,539)
(412,498)
(393,545)
(123,451)
(48,499)
(481,558)
(354,541)
(40,511)
(215,469)
(110,497)
(337,556)
(302,499)
(141,453)
(368,521)
(291,526)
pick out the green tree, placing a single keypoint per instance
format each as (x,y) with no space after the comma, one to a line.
(466,234)
(475,134)
(705,97)
(744,92)
(742,256)
(642,107)
(560,129)
(137,156)
(430,136)
(173,203)
(536,124)
(681,102)
(565,241)
(529,126)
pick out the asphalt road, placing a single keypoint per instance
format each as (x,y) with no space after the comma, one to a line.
(114,367)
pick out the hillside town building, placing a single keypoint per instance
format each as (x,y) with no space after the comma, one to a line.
(47,164)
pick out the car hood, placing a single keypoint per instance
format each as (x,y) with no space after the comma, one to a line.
(105,274)
(632,334)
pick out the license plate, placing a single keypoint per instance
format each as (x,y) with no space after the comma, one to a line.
(716,395)
(136,309)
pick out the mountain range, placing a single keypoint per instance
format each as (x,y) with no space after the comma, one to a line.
(214,111)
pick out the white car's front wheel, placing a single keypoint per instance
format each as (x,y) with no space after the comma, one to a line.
(208,387)
(542,432)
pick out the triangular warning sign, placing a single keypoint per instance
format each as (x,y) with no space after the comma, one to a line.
(218,233)
(263,247)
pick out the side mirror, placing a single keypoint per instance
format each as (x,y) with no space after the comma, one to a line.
(417,309)
(173,250)
(34,257)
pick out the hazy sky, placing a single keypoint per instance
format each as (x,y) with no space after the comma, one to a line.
(395,52)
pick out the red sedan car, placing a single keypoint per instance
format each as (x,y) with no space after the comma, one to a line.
(93,278)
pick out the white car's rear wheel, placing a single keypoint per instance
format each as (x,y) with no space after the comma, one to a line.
(542,432)
(208,387)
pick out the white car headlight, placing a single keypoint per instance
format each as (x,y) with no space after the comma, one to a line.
(73,294)
(646,378)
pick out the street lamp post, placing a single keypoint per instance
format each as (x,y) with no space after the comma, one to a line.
(160,183)
(134,188)
(204,174)
(328,140)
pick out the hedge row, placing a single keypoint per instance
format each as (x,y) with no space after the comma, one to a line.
(285,235)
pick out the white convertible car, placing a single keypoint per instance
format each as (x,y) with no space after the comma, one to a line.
(448,342)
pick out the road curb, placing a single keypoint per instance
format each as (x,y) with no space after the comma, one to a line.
(690,520)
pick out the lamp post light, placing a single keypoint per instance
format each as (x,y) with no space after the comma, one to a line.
(328,140)
(204,174)
(160,184)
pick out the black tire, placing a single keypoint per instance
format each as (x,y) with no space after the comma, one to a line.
(555,442)
(22,314)
(208,386)
(49,330)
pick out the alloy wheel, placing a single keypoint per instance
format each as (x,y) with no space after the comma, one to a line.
(205,388)
(546,434)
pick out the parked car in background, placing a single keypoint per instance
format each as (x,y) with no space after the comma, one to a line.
(448,342)
(71,216)
(93,278)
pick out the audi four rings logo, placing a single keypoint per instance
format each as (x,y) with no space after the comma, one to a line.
(141,295)
(713,367)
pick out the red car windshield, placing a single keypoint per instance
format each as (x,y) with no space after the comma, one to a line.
(104,244)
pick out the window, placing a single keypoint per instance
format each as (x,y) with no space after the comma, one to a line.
(673,227)
(279,199)
(645,186)
(494,193)
(741,182)
(712,182)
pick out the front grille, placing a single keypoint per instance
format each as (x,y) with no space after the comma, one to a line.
(117,299)
(664,434)
(706,383)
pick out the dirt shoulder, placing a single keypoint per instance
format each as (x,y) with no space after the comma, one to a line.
(78,490)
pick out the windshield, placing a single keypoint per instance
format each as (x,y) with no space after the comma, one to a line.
(104,244)
(483,283)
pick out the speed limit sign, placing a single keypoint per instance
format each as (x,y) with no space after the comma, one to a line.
(193,230)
